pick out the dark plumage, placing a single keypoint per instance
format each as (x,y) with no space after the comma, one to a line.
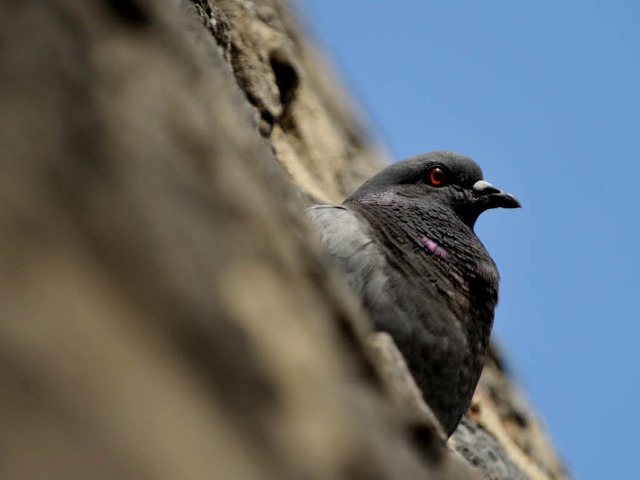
(405,240)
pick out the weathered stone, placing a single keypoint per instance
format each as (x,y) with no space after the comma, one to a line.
(483,451)
(303,110)
(502,410)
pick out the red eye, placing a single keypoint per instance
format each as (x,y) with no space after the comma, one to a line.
(436,176)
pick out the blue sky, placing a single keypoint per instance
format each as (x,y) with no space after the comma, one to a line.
(546,97)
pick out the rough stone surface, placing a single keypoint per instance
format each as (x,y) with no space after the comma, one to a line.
(165,313)
(500,409)
(482,450)
(303,111)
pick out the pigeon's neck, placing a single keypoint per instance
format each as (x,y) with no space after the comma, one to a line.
(434,226)
(431,246)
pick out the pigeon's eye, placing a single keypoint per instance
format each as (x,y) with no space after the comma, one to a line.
(436,176)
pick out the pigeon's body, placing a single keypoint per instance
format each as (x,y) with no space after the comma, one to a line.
(409,251)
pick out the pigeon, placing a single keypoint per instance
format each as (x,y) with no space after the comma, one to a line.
(406,244)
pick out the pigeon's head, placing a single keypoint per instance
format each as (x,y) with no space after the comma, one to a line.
(443,177)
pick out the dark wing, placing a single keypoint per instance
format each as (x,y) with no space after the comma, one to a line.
(408,305)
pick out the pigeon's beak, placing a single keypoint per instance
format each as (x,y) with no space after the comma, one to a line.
(493,197)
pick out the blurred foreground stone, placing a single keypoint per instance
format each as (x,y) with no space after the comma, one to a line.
(165,313)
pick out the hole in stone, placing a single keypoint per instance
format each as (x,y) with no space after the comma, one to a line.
(287,79)
(130,11)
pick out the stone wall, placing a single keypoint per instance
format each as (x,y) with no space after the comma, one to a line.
(166,312)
